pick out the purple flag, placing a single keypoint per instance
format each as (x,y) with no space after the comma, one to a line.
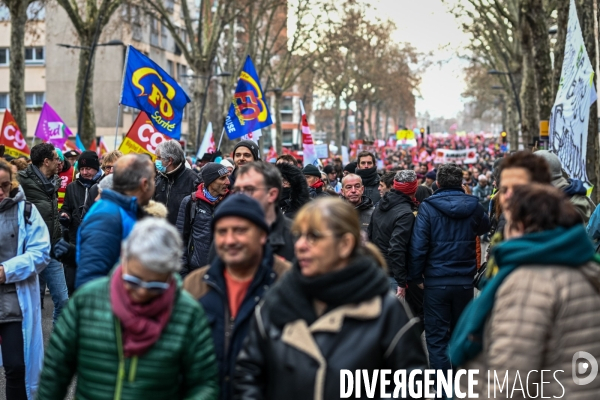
(51,128)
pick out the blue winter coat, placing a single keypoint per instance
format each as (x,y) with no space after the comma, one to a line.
(442,247)
(109,221)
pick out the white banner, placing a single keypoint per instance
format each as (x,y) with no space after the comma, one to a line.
(254,136)
(208,143)
(345,155)
(322,151)
(308,148)
(571,111)
(445,156)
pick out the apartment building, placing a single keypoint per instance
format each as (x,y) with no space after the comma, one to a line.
(51,70)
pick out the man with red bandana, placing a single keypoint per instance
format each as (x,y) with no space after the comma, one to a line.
(316,186)
(391,227)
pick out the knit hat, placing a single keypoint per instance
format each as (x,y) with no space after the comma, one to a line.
(350,167)
(406,182)
(250,145)
(240,205)
(211,172)
(431,174)
(311,170)
(88,159)
(226,163)
(71,153)
(553,161)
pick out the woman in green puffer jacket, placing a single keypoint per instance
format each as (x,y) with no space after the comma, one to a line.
(135,334)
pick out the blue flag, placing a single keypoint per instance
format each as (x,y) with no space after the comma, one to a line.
(147,87)
(248,111)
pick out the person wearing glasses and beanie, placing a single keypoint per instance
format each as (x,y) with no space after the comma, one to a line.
(333,310)
(196,213)
(236,280)
(135,334)
(24,253)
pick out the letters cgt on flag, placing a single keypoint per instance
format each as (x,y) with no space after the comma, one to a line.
(142,137)
(11,137)
(147,87)
(248,111)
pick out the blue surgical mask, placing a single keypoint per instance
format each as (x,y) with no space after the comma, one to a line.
(159,166)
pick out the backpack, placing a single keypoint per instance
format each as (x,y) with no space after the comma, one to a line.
(27,212)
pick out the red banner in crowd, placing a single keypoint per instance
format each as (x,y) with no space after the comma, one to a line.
(142,137)
(11,137)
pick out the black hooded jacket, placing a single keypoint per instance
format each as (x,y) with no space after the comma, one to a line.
(293,198)
(172,188)
(365,209)
(391,229)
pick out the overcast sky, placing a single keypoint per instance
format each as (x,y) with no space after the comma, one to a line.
(429,26)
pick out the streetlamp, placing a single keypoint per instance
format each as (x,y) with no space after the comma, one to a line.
(92,50)
(208,81)
(512,83)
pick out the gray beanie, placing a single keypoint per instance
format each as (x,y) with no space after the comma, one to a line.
(405,176)
(211,172)
(250,145)
(553,162)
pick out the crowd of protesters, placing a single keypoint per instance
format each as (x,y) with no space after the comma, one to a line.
(234,278)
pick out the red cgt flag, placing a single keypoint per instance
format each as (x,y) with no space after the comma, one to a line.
(11,137)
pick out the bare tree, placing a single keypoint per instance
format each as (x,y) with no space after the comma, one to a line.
(18,18)
(89,17)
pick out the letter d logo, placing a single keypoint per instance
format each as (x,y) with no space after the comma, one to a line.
(582,367)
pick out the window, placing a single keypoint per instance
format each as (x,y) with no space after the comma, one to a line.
(4,101)
(170,68)
(154,32)
(4,13)
(287,137)
(34,99)
(4,57)
(36,11)
(287,104)
(287,117)
(34,55)
(182,70)
(169,5)
(164,34)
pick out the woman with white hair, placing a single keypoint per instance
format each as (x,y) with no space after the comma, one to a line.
(135,334)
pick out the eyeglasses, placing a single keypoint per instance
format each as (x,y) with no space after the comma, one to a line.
(107,168)
(311,237)
(5,187)
(153,287)
(249,190)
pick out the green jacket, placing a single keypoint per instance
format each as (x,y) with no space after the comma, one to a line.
(46,204)
(181,365)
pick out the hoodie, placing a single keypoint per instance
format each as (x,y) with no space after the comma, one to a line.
(443,243)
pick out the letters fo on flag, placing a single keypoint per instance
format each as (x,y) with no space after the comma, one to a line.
(51,128)
(11,137)
(147,87)
(142,137)
(248,111)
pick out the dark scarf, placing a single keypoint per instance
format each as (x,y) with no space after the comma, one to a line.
(293,298)
(369,176)
(567,247)
(142,323)
(48,185)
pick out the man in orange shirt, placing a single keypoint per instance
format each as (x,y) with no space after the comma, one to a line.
(233,284)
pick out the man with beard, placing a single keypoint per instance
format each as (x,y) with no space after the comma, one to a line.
(352,192)
(234,283)
(366,168)
(72,211)
(196,214)
(245,151)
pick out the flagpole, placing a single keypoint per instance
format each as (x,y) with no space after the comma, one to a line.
(121,98)
(221,139)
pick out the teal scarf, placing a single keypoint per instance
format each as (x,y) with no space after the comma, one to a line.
(561,246)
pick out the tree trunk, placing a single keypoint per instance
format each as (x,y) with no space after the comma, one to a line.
(377,124)
(542,64)
(361,110)
(337,116)
(345,133)
(278,128)
(18,17)
(529,115)
(562,9)
(370,119)
(513,128)
(88,123)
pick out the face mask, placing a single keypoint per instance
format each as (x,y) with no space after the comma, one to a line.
(159,166)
